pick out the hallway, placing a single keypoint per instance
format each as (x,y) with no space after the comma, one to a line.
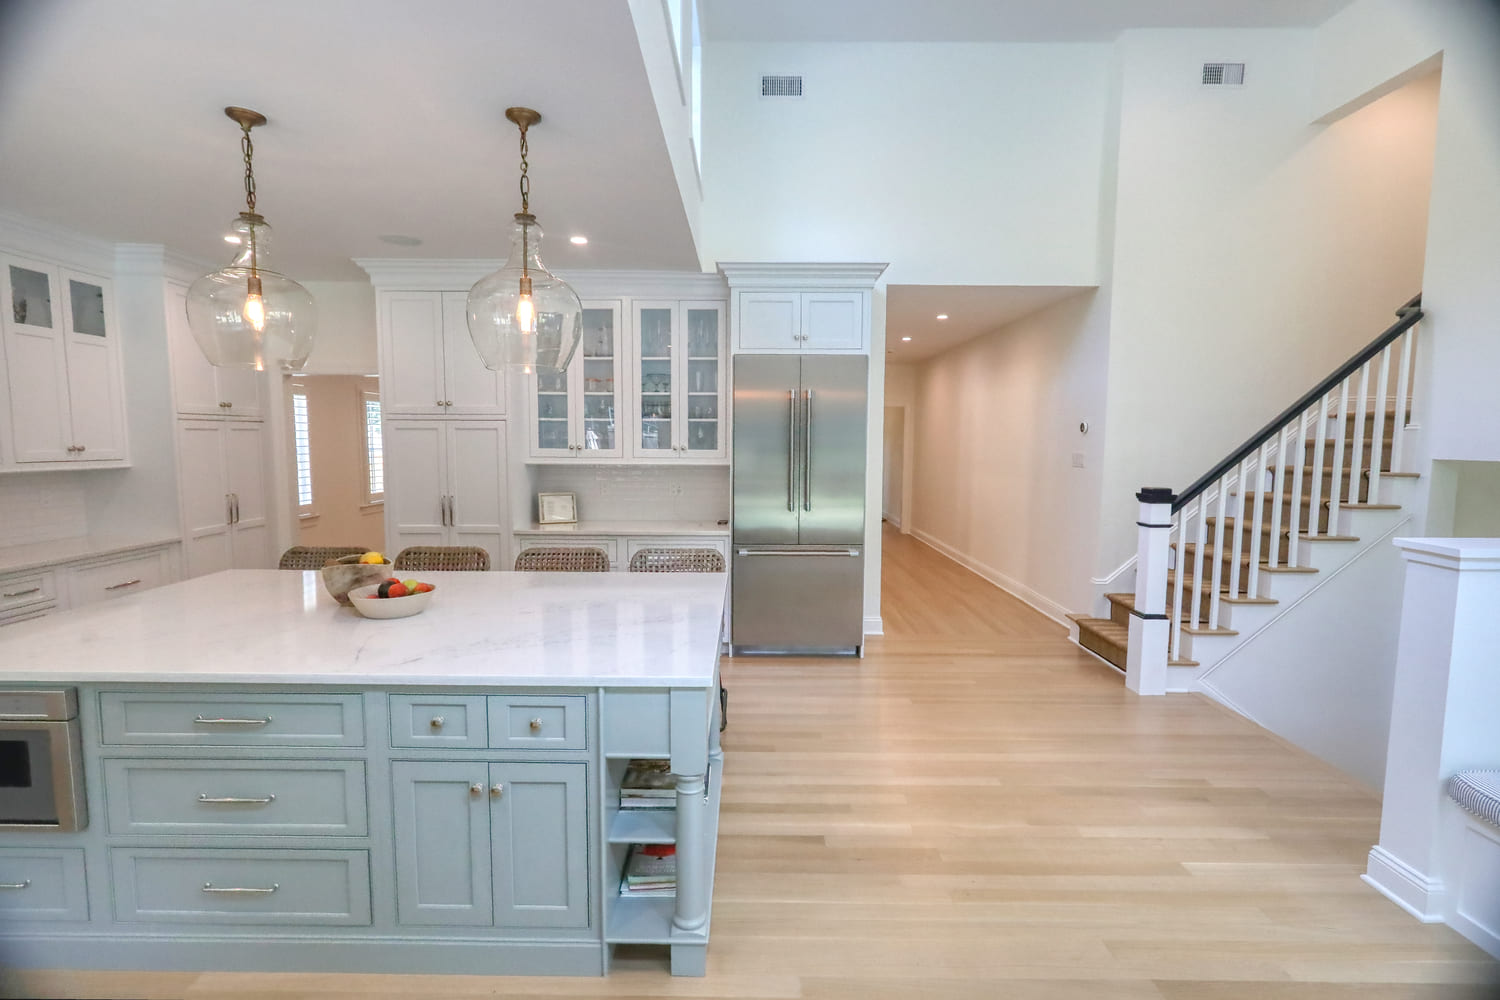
(980,811)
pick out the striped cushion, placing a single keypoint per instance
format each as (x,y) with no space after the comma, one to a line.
(1478,792)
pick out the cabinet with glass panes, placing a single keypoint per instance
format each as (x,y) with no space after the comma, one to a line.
(679,381)
(575,413)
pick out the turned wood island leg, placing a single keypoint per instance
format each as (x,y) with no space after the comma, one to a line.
(691,911)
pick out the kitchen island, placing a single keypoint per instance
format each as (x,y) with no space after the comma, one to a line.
(275,783)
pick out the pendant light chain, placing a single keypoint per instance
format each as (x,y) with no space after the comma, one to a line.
(249,150)
(525,180)
(525,210)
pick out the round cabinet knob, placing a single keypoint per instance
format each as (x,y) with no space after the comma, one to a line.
(437,722)
(536,725)
(447,402)
(225,406)
(476,789)
(496,791)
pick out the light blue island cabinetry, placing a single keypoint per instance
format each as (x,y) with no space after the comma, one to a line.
(450,806)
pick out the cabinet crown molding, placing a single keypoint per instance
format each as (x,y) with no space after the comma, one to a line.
(34,238)
(755,274)
(417,275)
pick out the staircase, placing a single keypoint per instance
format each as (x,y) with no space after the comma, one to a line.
(1309,493)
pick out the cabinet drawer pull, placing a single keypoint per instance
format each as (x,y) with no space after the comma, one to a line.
(496,791)
(437,722)
(201,721)
(15,885)
(225,406)
(476,789)
(230,800)
(127,583)
(536,725)
(255,890)
(23,593)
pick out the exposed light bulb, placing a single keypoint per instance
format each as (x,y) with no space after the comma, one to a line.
(255,305)
(525,314)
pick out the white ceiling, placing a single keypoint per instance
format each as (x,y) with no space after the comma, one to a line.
(972,310)
(386,117)
(992,20)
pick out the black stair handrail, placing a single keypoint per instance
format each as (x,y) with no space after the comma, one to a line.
(1410,314)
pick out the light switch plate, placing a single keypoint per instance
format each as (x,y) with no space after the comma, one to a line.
(1077,459)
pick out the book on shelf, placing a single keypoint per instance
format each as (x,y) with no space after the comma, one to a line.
(648,784)
(650,870)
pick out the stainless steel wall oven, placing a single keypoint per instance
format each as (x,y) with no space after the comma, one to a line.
(41,761)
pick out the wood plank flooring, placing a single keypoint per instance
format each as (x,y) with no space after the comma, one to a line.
(979,809)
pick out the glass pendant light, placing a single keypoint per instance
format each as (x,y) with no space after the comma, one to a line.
(248,314)
(524,316)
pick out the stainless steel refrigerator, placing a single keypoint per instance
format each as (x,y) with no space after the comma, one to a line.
(799,502)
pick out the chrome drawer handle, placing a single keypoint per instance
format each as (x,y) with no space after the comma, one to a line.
(23,593)
(210,887)
(536,725)
(232,801)
(122,586)
(201,721)
(15,885)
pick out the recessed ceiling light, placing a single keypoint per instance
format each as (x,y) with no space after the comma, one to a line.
(942,315)
(578,241)
(905,338)
(398,240)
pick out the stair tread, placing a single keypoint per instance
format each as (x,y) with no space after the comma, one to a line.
(1200,630)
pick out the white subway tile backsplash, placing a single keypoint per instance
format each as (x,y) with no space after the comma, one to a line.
(641,493)
(41,508)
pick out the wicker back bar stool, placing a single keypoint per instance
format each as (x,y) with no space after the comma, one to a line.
(436,558)
(677,561)
(581,559)
(316,556)
(685,561)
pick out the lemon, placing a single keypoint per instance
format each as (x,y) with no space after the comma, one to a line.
(372,557)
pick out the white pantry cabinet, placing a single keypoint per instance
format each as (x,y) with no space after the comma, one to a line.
(428,363)
(62,370)
(221,466)
(451,489)
(200,388)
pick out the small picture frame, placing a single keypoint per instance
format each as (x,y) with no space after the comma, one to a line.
(556,508)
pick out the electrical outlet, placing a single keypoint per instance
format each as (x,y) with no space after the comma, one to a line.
(1077,459)
(676,489)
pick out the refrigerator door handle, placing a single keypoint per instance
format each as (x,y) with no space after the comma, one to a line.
(799,552)
(791,449)
(807,396)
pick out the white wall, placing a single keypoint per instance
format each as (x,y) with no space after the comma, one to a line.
(345,340)
(890,490)
(1253,252)
(957,163)
(996,430)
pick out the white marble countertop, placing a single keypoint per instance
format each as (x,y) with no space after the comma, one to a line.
(18,558)
(659,528)
(481,629)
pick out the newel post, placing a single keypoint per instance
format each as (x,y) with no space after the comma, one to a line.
(1146,653)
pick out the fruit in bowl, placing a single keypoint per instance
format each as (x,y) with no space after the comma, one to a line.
(391,599)
(344,574)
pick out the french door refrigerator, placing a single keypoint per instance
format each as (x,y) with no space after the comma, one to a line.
(799,502)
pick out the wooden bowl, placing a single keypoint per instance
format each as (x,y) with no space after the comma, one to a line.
(346,573)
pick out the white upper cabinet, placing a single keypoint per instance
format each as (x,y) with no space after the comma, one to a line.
(576,413)
(678,383)
(201,390)
(62,371)
(428,364)
(801,308)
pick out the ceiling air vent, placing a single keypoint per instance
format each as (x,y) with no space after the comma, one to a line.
(781,86)
(1223,74)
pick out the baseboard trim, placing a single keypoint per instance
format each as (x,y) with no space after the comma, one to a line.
(1041,603)
(1403,885)
(874,625)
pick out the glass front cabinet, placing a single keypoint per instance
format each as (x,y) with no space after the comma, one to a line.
(678,381)
(576,413)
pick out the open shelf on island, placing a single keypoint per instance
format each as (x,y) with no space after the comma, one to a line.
(644,826)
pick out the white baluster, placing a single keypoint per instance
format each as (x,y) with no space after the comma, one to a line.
(1377,440)
(1278,491)
(1258,480)
(1296,511)
(1351,491)
(1175,620)
(1315,504)
(1196,598)
(1403,404)
(1336,483)
(1218,575)
(1237,546)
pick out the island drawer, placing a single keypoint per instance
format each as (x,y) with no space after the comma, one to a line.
(25,589)
(236,798)
(310,720)
(440,722)
(537,722)
(170,885)
(42,885)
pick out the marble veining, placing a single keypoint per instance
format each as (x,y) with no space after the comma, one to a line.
(281,627)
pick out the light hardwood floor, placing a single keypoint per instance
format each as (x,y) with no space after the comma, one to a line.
(978,809)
